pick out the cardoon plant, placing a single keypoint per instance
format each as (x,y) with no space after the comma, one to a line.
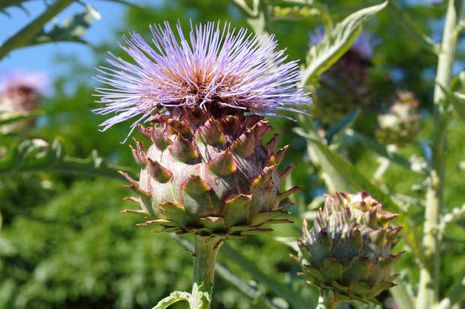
(203,99)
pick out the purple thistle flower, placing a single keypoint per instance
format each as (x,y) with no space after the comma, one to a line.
(211,68)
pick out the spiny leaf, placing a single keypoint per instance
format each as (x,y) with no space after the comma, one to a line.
(24,36)
(34,155)
(321,56)
(72,29)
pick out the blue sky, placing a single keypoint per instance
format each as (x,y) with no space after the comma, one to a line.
(40,58)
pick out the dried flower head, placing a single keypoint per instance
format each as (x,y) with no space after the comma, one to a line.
(213,67)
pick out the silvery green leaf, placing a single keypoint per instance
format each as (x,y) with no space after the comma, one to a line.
(33,155)
(196,300)
(325,53)
(25,36)
(72,29)
(173,298)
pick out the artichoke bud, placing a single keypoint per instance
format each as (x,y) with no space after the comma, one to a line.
(349,249)
(210,175)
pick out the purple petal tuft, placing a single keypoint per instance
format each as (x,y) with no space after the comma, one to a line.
(230,68)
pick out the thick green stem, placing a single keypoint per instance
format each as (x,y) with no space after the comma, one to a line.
(206,250)
(429,273)
(23,37)
(327,300)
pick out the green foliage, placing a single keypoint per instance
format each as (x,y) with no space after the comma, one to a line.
(63,242)
(85,252)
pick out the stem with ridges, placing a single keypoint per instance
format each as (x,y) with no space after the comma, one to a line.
(206,251)
(429,273)
(327,300)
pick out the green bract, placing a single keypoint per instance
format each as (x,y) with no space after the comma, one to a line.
(210,175)
(349,249)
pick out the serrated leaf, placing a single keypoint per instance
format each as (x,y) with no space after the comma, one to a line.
(72,28)
(173,298)
(321,56)
(197,299)
(34,155)
(24,37)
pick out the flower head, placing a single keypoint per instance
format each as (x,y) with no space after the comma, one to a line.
(212,68)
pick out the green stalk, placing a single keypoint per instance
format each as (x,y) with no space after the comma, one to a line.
(327,300)
(429,273)
(24,36)
(206,251)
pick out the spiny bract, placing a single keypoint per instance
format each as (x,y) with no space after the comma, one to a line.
(210,175)
(349,249)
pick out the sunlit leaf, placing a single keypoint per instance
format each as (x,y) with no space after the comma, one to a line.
(72,29)
(321,56)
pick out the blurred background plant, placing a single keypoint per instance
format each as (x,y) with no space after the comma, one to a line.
(63,242)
